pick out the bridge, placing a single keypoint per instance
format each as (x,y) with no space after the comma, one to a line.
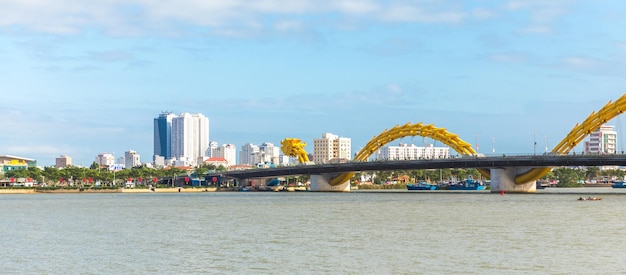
(509,174)
(490,162)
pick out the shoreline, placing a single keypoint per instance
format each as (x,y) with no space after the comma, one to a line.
(119,190)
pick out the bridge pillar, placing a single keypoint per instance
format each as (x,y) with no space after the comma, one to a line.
(321,183)
(503,179)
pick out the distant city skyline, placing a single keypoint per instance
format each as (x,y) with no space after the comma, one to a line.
(80,80)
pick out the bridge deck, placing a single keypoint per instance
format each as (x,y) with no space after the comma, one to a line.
(461,162)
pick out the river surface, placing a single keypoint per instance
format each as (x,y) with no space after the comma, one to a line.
(401,232)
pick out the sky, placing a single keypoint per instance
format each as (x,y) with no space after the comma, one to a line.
(80,78)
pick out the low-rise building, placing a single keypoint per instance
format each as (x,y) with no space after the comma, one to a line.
(10,163)
(410,151)
(217,161)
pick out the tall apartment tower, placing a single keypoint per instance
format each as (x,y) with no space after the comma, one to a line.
(190,137)
(163,135)
(131,159)
(248,154)
(331,147)
(602,141)
(269,153)
(212,146)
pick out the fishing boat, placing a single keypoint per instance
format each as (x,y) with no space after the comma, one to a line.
(589,199)
(618,184)
(421,186)
(468,184)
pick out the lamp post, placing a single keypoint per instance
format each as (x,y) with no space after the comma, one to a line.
(534,143)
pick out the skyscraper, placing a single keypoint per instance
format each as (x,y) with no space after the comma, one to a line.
(163,135)
(248,154)
(190,137)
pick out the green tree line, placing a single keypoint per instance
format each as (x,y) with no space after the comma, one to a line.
(85,176)
(564,176)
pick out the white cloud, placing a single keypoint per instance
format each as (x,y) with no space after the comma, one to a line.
(39,149)
(356,7)
(583,63)
(537,29)
(590,65)
(541,13)
(288,25)
(508,57)
(233,17)
(482,13)
(111,56)
(411,13)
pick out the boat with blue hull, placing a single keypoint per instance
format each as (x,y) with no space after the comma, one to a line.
(618,184)
(468,184)
(421,186)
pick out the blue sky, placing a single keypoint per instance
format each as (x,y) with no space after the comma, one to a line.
(86,77)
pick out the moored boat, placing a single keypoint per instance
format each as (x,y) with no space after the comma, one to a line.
(421,186)
(618,184)
(468,184)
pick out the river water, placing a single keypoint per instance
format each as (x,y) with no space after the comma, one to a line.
(399,232)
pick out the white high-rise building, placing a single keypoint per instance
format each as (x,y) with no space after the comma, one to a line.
(252,154)
(409,151)
(226,151)
(131,159)
(602,141)
(331,147)
(190,137)
(212,146)
(269,153)
(105,159)
(248,154)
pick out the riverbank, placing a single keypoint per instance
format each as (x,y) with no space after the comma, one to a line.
(119,190)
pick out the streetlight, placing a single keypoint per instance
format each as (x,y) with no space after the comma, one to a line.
(534,143)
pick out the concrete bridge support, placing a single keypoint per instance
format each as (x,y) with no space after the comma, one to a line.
(321,183)
(503,179)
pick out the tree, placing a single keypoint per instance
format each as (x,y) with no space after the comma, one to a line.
(568,177)
(592,172)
